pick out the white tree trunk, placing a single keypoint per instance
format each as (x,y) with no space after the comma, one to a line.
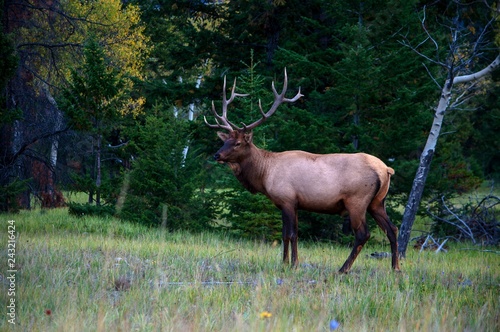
(98,177)
(190,118)
(428,152)
(57,126)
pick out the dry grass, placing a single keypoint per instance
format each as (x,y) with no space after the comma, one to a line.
(100,274)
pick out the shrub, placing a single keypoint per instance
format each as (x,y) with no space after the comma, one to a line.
(163,180)
(9,194)
(475,220)
(87,209)
(250,216)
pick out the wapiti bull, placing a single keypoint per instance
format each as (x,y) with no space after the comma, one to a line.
(296,180)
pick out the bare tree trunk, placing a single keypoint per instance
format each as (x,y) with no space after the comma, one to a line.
(423,170)
(54,148)
(356,121)
(430,147)
(91,173)
(98,177)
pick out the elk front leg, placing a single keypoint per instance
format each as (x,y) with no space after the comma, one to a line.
(290,234)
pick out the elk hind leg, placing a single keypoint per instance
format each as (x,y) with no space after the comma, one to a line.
(378,212)
(361,235)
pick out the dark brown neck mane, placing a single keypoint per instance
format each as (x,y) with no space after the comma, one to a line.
(252,169)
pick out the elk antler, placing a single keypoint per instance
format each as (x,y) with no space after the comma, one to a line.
(278,99)
(226,124)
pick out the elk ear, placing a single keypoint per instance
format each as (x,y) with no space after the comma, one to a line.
(222,136)
(248,137)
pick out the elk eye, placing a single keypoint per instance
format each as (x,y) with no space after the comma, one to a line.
(237,144)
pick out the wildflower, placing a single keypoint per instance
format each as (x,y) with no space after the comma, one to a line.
(265,314)
(48,312)
(334,325)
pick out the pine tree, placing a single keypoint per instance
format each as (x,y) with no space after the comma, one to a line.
(164,187)
(92,102)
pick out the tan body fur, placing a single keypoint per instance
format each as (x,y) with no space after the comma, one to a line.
(332,183)
(298,180)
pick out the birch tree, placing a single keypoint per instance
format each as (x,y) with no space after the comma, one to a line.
(461,57)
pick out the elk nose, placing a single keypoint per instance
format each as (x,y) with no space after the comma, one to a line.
(216,156)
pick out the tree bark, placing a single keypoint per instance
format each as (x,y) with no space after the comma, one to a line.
(423,170)
(98,177)
(52,192)
(430,147)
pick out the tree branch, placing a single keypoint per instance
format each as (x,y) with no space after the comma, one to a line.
(429,35)
(477,75)
(49,46)
(460,99)
(26,145)
(432,77)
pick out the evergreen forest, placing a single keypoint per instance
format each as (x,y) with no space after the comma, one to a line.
(106,99)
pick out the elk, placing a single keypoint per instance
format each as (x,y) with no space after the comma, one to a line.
(345,184)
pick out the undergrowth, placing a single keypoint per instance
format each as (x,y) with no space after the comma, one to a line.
(100,274)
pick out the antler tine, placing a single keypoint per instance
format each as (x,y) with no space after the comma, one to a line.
(278,100)
(233,94)
(216,126)
(285,87)
(224,99)
(226,124)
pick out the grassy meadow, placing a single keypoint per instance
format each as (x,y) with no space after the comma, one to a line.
(91,274)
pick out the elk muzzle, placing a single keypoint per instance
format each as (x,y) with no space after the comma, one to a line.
(218,157)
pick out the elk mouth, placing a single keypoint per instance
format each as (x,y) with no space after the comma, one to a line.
(218,159)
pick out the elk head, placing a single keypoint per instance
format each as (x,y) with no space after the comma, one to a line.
(236,146)
(239,139)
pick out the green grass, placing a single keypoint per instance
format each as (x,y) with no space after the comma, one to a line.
(105,275)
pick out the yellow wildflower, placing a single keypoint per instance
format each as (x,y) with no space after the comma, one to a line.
(265,314)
